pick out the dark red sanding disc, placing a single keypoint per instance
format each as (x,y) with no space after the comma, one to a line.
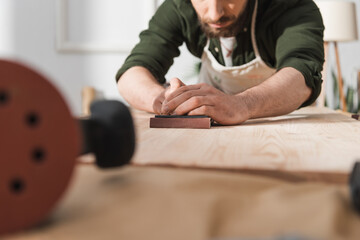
(39,141)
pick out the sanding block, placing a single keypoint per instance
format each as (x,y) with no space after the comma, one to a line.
(180,121)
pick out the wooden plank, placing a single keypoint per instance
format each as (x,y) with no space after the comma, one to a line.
(178,204)
(314,143)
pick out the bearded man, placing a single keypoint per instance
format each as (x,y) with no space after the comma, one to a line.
(259,58)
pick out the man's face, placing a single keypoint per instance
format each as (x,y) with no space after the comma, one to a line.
(219,18)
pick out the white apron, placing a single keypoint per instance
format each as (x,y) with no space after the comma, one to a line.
(233,80)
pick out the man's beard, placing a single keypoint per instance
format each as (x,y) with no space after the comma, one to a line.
(229,31)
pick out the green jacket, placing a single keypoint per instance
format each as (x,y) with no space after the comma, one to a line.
(289,33)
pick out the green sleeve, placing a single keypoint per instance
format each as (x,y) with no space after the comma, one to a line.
(300,44)
(159,44)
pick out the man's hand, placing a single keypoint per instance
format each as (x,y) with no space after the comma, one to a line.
(282,93)
(175,83)
(203,99)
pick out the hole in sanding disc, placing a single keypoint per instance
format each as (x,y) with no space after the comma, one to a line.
(4,97)
(38,155)
(32,119)
(17,185)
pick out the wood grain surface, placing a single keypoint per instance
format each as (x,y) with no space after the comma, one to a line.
(141,203)
(311,143)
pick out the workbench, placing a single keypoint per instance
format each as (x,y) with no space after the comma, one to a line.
(270,177)
(308,144)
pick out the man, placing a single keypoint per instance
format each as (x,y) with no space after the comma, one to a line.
(259,58)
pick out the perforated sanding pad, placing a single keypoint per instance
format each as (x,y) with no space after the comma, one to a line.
(39,141)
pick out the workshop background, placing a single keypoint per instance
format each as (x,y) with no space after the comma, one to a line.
(78,43)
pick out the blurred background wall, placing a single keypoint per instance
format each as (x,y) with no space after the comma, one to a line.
(77,43)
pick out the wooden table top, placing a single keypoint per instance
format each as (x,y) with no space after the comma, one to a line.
(310,143)
(175,203)
(186,202)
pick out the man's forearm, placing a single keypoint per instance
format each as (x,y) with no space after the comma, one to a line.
(139,88)
(282,93)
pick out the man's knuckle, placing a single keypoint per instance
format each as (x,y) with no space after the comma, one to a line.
(203,85)
(196,100)
(206,109)
(182,88)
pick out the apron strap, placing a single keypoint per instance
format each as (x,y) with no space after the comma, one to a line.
(253,36)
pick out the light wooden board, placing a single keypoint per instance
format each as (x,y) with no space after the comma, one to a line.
(140,203)
(311,143)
